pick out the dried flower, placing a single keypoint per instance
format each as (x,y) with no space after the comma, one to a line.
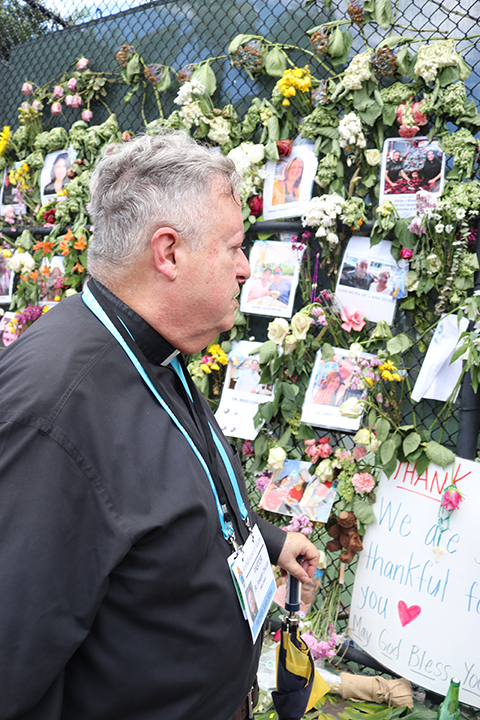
(284,147)
(56,108)
(82,64)
(72,84)
(87,115)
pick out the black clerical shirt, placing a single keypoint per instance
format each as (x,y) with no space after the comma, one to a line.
(116,600)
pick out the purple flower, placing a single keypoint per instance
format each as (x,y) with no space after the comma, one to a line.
(262,481)
(87,115)
(72,84)
(424,201)
(299,524)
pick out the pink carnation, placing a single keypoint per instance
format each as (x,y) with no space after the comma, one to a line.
(363,482)
(262,482)
(325,450)
(419,117)
(408,131)
(352,319)
(247,449)
(359,452)
(301,524)
(405,253)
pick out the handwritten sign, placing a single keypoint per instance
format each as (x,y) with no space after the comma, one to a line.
(416,602)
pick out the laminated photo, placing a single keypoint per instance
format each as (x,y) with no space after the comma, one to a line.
(7,277)
(242,392)
(54,175)
(371,280)
(8,329)
(7,196)
(289,183)
(51,272)
(410,165)
(332,383)
(270,290)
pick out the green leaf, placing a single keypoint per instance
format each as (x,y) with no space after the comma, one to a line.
(275,62)
(327,352)
(363,511)
(439,454)
(404,61)
(133,69)
(336,43)
(285,437)
(382,428)
(448,75)
(422,464)
(383,13)
(273,128)
(206,76)
(463,69)
(372,418)
(130,94)
(271,153)
(267,351)
(266,411)
(394,40)
(390,467)
(408,303)
(237,41)
(387,451)
(260,444)
(411,443)
(165,81)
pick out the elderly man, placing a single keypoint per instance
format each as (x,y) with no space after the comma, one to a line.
(120,500)
(359,277)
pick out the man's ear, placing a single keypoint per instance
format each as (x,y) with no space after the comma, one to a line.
(164,243)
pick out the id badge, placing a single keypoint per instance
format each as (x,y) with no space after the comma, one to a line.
(254,580)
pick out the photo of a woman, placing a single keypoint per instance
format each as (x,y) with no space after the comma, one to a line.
(58,177)
(328,389)
(382,283)
(287,188)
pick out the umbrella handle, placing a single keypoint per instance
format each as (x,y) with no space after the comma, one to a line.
(292,595)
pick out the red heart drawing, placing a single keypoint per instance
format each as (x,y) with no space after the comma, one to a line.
(407,614)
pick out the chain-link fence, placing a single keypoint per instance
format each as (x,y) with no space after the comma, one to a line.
(39,40)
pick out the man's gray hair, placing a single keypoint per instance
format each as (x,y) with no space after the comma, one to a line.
(162,180)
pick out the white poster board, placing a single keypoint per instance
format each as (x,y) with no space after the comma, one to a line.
(418,617)
(370,279)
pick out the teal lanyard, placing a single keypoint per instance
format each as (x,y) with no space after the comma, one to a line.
(227,528)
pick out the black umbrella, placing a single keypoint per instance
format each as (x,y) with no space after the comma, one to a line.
(299,685)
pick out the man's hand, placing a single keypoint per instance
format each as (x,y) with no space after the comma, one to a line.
(297,545)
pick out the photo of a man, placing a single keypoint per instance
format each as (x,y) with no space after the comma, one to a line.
(280,287)
(359,276)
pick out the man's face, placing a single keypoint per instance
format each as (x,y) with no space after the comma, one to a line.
(362,268)
(211,276)
(277,276)
(396,156)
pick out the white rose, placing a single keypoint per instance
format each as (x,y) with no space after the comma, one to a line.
(276,458)
(362,437)
(374,444)
(27,261)
(278,330)
(325,470)
(70,291)
(256,153)
(351,408)
(15,263)
(240,159)
(300,326)
(355,351)
(290,344)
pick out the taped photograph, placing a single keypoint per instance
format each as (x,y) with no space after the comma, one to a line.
(289,183)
